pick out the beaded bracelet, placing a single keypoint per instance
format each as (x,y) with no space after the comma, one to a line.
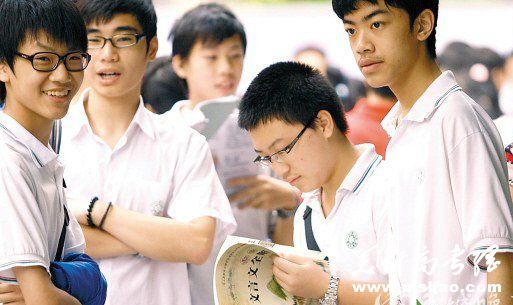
(89,210)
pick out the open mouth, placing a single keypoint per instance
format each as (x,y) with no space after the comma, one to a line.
(109,75)
(57,93)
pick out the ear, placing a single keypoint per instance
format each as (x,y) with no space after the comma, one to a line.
(4,72)
(424,25)
(179,65)
(325,122)
(153,48)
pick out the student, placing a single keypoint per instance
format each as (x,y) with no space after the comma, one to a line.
(298,128)
(152,201)
(42,58)
(445,161)
(209,45)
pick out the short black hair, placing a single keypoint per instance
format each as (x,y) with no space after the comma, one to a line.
(209,23)
(102,11)
(412,7)
(24,19)
(291,92)
(162,87)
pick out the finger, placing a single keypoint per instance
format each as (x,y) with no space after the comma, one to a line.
(4,288)
(281,278)
(8,297)
(297,259)
(243,181)
(284,265)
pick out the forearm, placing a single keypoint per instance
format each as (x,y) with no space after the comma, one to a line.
(100,244)
(162,238)
(37,289)
(501,277)
(348,296)
(283,231)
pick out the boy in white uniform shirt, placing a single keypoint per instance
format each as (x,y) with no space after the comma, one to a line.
(42,56)
(298,128)
(445,164)
(209,44)
(156,202)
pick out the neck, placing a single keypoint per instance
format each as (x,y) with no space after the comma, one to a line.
(40,127)
(349,154)
(109,117)
(415,82)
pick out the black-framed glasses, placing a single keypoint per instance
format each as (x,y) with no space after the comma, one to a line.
(278,157)
(118,41)
(49,61)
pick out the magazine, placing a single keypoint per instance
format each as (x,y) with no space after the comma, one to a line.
(243,273)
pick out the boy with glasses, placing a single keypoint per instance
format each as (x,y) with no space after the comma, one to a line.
(447,178)
(298,128)
(152,199)
(42,56)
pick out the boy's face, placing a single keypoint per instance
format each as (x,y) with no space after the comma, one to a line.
(42,96)
(383,45)
(212,71)
(302,167)
(115,72)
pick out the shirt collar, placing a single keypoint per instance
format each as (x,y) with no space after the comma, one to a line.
(426,105)
(361,170)
(41,155)
(142,118)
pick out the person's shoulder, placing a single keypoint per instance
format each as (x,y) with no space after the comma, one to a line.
(461,116)
(174,133)
(14,158)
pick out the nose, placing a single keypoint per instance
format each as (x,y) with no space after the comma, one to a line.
(60,74)
(108,53)
(280,169)
(225,65)
(363,43)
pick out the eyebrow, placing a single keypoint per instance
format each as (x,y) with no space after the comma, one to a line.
(118,29)
(369,16)
(270,146)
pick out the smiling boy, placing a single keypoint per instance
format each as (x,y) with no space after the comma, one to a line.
(42,56)
(445,165)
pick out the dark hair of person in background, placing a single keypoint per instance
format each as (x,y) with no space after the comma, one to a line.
(210,23)
(473,69)
(412,7)
(348,89)
(23,20)
(102,11)
(291,92)
(162,87)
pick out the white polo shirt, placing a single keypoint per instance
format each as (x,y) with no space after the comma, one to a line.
(31,202)
(449,194)
(251,223)
(354,234)
(156,170)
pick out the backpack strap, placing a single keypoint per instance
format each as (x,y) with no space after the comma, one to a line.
(311,243)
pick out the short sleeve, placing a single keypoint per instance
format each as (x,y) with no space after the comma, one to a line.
(24,240)
(197,191)
(481,194)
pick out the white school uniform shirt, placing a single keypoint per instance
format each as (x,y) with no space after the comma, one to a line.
(31,202)
(155,170)
(449,195)
(353,235)
(251,223)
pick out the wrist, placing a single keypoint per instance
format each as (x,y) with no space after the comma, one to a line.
(98,211)
(331,295)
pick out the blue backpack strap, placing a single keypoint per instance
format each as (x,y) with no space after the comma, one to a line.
(311,243)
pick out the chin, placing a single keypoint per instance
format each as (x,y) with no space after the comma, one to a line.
(376,81)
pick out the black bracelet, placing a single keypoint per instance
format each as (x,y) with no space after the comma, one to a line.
(105,216)
(89,210)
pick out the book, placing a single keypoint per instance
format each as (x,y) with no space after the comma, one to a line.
(243,273)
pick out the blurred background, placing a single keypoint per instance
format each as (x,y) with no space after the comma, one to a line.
(472,35)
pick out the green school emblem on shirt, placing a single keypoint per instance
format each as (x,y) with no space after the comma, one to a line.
(352,240)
